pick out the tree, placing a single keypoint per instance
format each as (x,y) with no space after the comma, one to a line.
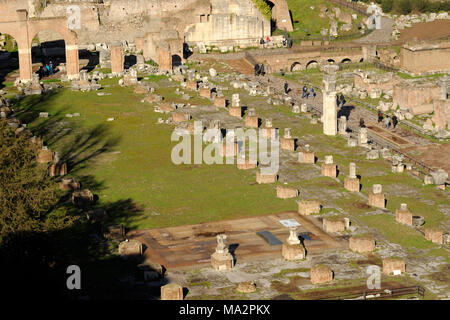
(404,6)
(386,5)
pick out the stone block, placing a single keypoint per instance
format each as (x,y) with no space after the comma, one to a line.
(252,121)
(130,249)
(222,261)
(329,170)
(308,207)
(404,216)
(377,200)
(321,274)
(180,117)
(45,156)
(292,252)
(266,178)
(306,157)
(352,184)
(220,102)
(362,243)
(205,93)
(333,224)
(393,264)
(172,291)
(435,235)
(235,111)
(246,165)
(287,144)
(286,192)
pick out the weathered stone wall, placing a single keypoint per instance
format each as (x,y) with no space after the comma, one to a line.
(416,95)
(419,59)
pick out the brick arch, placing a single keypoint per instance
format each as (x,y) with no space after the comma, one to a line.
(295,65)
(346,60)
(311,62)
(59,25)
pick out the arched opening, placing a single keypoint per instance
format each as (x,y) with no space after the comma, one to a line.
(361,60)
(9,59)
(312,64)
(176,61)
(331,61)
(296,66)
(346,60)
(48,54)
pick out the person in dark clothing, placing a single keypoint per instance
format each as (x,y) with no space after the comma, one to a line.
(313,93)
(380,116)
(394,122)
(286,88)
(307,94)
(50,68)
(257,70)
(342,100)
(305,89)
(261,70)
(361,123)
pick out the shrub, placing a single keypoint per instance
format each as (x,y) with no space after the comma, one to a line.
(387,5)
(264,8)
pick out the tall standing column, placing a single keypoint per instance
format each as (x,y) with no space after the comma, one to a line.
(117,58)
(72,62)
(25,64)
(329,100)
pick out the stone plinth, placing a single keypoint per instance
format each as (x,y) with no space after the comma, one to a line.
(306,157)
(172,291)
(329,113)
(266,178)
(268,131)
(83,198)
(57,169)
(329,170)
(205,93)
(246,287)
(308,207)
(252,121)
(333,224)
(222,261)
(164,58)
(435,235)
(235,111)
(393,264)
(246,165)
(45,156)
(362,243)
(69,184)
(130,248)
(180,117)
(141,90)
(403,215)
(191,85)
(220,102)
(287,144)
(321,274)
(293,252)
(231,151)
(351,184)
(117,58)
(377,200)
(286,192)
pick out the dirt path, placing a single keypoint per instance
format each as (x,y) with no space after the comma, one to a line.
(426,31)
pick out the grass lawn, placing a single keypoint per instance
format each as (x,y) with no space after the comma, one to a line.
(129,160)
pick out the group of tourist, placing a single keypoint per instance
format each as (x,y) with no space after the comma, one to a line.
(388,121)
(46,70)
(306,93)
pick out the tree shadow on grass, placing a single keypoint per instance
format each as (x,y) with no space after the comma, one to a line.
(35,263)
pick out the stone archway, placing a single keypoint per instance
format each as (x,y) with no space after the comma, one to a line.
(312,64)
(346,60)
(331,61)
(296,66)
(18,25)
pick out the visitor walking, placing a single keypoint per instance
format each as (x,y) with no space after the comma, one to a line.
(380,116)
(394,121)
(50,66)
(361,123)
(313,93)
(342,100)
(387,122)
(304,91)
(286,88)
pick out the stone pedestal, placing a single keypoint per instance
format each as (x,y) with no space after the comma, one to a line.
(321,274)
(377,200)
(351,184)
(308,207)
(362,137)
(306,157)
(362,243)
(293,252)
(394,265)
(164,57)
(266,178)
(286,192)
(235,111)
(130,248)
(252,121)
(329,170)
(229,151)
(333,224)
(287,144)
(172,291)
(220,102)
(329,113)
(435,235)
(403,215)
(180,117)
(205,93)
(191,85)
(45,156)
(222,261)
(269,132)
(72,61)
(117,58)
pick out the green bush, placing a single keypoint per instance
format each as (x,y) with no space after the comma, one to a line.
(264,8)
(403,6)
(387,5)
